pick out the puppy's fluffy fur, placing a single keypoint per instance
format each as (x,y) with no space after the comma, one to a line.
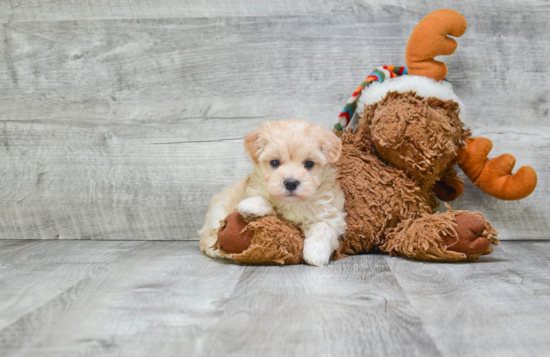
(281,152)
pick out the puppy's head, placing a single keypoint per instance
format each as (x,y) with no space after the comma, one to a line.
(293,156)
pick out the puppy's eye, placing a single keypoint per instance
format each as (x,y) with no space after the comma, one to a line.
(275,163)
(308,164)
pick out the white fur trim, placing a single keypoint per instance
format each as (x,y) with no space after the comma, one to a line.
(423,86)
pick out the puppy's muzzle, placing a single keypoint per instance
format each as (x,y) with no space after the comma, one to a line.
(291,184)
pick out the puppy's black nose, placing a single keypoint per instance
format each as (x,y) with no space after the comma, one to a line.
(291,184)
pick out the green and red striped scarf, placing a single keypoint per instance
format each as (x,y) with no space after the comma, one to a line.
(378,75)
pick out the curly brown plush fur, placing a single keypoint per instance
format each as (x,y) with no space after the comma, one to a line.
(419,136)
(274,242)
(378,196)
(422,238)
(390,167)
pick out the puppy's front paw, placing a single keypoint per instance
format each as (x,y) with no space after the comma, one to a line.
(213,253)
(255,207)
(316,252)
(207,245)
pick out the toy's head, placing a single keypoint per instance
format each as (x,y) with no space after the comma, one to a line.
(417,135)
(414,121)
(293,157)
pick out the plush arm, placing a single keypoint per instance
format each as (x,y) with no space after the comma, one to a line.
(450,187)
(494,176)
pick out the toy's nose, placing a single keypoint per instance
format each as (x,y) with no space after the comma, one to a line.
(291,184)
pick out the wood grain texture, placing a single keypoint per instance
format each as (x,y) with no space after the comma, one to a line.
(99,298)
(32,273)
(67,298)
(63,10)
(354,307)
(124,128)
(497,306)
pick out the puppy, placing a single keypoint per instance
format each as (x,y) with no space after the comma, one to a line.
(293,178)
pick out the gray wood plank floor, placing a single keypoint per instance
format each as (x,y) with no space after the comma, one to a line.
(118,298)
(120,119)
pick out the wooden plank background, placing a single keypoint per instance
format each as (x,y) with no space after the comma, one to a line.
(119,119)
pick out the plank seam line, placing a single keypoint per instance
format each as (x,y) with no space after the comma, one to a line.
(423,325)
(197,141)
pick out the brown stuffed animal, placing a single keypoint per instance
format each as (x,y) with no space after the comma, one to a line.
(397,160)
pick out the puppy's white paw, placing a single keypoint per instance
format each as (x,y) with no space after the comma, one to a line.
(213,253)
(254,207)
(317,251)
(207,246)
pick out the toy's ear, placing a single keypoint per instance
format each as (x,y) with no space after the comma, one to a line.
(332,146)
(252,145)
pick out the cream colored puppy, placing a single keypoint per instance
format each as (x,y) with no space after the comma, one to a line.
(293,178)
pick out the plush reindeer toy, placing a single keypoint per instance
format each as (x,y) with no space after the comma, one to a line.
(396,163)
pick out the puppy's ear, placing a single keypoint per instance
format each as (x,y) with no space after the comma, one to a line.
(332,146)
(252,145)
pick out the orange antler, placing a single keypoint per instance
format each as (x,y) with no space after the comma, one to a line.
(429,39)
(494,176)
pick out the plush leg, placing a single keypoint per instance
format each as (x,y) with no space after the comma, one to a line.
(274,241)
(449,236)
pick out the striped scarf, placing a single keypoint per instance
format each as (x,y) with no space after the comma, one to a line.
(379,75)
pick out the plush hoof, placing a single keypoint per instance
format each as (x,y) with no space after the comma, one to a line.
(233,235)
(266,240)
(452,236)
(472,236)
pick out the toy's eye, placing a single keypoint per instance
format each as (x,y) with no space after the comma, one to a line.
(275,163)
(308,164)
